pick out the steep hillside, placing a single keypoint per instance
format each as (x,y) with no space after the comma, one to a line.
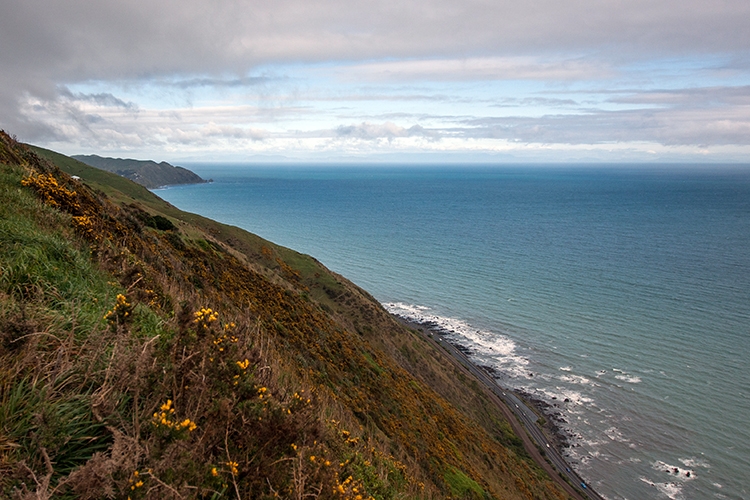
(147,173)
(150,353)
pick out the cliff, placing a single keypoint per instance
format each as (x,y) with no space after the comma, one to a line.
(151,353)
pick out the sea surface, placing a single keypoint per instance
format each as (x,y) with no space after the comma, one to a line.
(621,294)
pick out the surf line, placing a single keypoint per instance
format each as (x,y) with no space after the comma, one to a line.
(535,442)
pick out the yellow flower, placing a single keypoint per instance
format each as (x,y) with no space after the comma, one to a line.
(214,472)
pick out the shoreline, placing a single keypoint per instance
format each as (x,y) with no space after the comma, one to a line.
(549,438)
(553,419)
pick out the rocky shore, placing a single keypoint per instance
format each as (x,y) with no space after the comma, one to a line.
(553,419)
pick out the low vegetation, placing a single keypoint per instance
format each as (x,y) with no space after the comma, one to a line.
(149,353)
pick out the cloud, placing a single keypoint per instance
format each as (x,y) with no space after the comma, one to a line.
(78,40)
(387,130)
(689,97)
(100,99)
(217,82)
(708,127)
(479,68)
(513,102)
(454,50)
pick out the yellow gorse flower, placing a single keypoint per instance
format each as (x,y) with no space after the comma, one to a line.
(165,418)
(205,316)
(232,466)
(120,312)
(135,481)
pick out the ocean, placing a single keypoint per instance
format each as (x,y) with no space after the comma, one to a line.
(618,294)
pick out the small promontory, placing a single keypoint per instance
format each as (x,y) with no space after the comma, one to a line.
(147,173)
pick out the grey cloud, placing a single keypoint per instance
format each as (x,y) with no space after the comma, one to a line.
(246,81)
(100,99)
(665,126)
(197,43)
(703,116)
(535,101)
(387,130)
(79,39)
(377,95)
(690,97)
(482,68)
(231,132)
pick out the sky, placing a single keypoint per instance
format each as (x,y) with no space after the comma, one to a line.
(380,80)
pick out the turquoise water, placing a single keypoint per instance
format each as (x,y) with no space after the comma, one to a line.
(625,291)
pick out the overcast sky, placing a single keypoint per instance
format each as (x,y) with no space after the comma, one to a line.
(458,80)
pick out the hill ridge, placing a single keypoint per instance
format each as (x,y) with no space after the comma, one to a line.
(147,173)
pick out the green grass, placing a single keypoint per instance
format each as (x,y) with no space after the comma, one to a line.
(376,367)
(461,485)
(53,299)
(39,418)
(39,260)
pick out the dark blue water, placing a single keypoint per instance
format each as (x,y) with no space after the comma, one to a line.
(624,290)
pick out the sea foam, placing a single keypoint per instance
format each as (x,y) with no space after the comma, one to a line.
(492,346)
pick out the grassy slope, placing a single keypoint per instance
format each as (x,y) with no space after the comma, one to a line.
(315,390)
(246,245)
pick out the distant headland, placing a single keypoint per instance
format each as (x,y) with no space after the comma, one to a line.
(147,173)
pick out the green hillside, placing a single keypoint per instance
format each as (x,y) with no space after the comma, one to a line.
(150,353)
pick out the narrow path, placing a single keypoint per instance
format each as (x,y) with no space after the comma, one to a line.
(521,418)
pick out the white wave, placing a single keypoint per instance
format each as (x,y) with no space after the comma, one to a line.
(565,368)
(409,311)
(614,434)
(673,491)
(562,393)
(695,462)
(676,473)
(575,379)
(631,379)
(500,349)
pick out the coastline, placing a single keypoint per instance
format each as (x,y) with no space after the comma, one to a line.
(545,441)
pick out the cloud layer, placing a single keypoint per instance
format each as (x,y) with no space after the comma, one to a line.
(405,75)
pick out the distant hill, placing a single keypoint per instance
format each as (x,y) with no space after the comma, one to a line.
(146,173)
